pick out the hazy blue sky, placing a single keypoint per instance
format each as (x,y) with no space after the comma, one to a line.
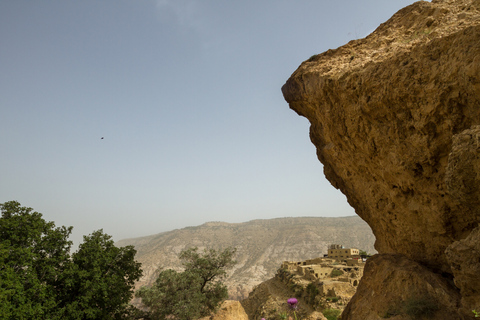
(186,94)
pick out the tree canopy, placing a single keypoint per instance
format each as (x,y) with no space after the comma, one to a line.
(40,279)
(193,293)
(364,253)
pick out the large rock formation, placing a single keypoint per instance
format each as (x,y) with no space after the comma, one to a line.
(395,121)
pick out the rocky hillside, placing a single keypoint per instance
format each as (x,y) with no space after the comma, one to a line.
(395,118)
(262,245)
(321,287)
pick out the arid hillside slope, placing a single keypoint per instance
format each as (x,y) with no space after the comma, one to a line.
(322,286)
(395,118)
(262,246)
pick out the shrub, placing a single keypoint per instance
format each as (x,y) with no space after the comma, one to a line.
(293,286)
(336,273)
(416,307)
(283,316)
(312,292)
(333,299)
(420,306)
(388,314)
(298,293)
(331,314)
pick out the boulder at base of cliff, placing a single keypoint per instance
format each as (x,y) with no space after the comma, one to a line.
(398,288)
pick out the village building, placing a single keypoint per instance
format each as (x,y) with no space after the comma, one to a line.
(339,261)
(338,252)
(335,281)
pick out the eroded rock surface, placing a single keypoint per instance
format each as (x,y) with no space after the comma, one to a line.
(229,310)
(394,285)
(394,118)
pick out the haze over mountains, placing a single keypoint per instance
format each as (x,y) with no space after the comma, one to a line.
(262,245)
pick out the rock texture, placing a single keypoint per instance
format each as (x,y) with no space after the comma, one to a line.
(229,310)
(395,121)
(269,301)
(393,286)
(262,245)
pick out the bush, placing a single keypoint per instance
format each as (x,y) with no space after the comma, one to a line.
(331,314)
(416,307)
(298,293)
(419,306)
(336,273)
(312,292)
(333,299)
(283,316)
(292,286)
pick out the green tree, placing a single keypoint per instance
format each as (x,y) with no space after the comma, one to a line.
(34,253)
(39,279)
(193,293)
(102,279)
(363,253)
(174,293)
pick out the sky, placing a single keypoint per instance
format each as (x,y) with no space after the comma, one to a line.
(144,116)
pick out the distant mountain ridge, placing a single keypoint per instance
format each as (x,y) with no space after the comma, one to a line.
(262,245)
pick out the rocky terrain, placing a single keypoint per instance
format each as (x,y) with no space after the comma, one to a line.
(322,287)
(262,246)
(318,284)
(229,310)
(395,118)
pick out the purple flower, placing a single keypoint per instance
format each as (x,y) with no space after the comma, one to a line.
(292,302)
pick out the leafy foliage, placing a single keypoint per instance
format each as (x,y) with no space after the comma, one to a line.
(420,306)
(312,292)
(103,276)
(169,294)
(415,307)
(332,299)
(336,273)
(193,293)
(34,255)
(39,279)
(331,314)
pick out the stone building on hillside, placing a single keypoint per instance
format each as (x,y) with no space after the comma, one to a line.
(324,268)
(338,252)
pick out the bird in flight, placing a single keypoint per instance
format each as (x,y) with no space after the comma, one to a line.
(101,138)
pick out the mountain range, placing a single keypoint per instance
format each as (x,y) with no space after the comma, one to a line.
(262,246)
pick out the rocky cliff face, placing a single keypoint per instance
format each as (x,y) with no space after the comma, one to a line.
(395,118)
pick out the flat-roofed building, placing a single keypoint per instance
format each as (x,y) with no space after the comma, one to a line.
(340,253)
